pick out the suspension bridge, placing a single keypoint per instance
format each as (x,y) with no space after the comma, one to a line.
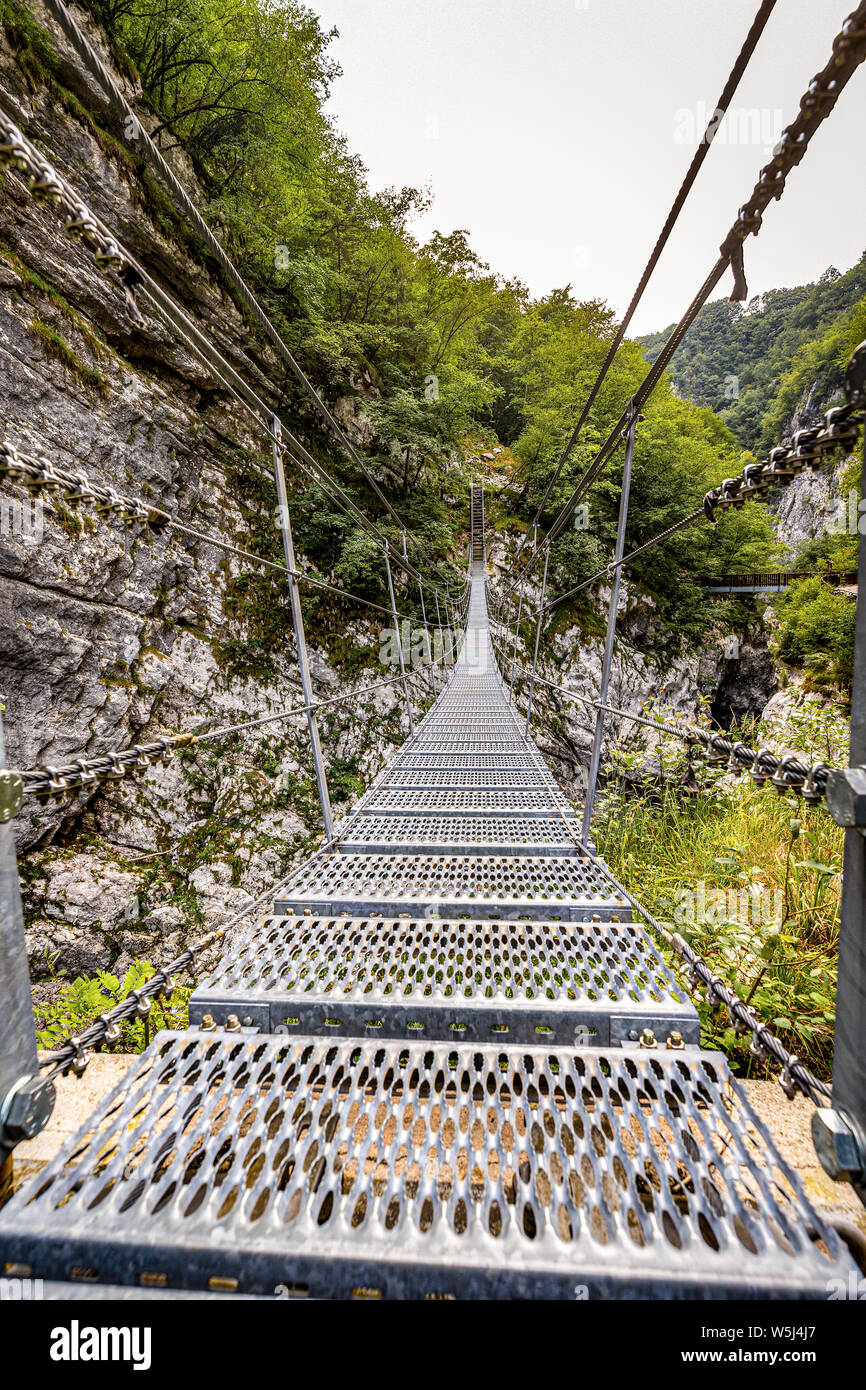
(447,1064)
(773,581)
(444,1058)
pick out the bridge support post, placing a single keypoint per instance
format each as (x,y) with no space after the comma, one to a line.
(427,646)
(298,623)
(483,529)
(26,1100)
(537,639)
(595,758)
(516,637)
(399,642)
(441,637)
(839,1133)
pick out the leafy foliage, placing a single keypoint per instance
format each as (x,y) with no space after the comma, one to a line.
(681,451)
(749,350)
(770,871)
(816,632)
(79,1001)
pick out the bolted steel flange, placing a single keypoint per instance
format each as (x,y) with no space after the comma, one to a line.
(846,796)
(839,1145)
(26,1109)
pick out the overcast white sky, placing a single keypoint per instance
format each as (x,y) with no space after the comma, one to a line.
(553,131)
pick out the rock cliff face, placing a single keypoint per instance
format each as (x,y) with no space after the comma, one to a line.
(732,681)
(805,505)
(109,636)
(802,511)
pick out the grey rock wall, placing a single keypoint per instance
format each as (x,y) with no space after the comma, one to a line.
(110,636)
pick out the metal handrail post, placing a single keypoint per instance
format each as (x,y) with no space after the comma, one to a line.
(298,624)
(399,642)
(26,1101)
(839,1132)
(516,635)
(537,640)
(613,605)
(426,633)
(439,631)
(483,528)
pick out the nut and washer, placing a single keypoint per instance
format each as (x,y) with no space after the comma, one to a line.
(839,1146)
(26,1109)
(846,796)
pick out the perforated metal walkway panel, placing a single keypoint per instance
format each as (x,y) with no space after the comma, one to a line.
(461,1071)
(403,1170)
(527,886)
(449,980)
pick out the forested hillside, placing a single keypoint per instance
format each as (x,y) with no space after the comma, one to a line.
(754,363)
(767,369)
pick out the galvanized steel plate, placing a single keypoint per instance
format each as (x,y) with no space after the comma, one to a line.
(462,777)
(405,1170)
(524,802)
(554,887)
(437,834)
(485,981)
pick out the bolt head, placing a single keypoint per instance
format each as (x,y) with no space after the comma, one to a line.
(837,1146)
(846,796)
(29,1110)
(11,796)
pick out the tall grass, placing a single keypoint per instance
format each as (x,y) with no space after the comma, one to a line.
(751,880)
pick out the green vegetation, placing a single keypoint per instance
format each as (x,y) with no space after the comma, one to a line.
(56,347)
(816,632)
(783,353)
(741,851)
(754,363)
(79,1001)
(750,879)
(31,42)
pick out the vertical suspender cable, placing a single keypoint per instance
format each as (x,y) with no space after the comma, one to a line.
(399,642)
(300,638)
(537,640)
(612,607)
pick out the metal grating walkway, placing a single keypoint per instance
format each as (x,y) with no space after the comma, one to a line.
(401,1170)
(447,1064)
(452,980)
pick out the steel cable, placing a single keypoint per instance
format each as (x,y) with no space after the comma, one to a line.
(848,52)
(759,23)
